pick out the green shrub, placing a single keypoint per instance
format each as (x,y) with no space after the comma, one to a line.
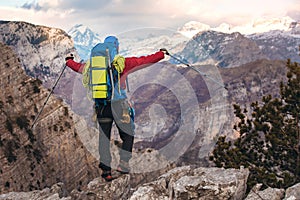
(269,142)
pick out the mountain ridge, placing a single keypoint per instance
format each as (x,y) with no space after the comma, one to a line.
(282,32)
(258,25)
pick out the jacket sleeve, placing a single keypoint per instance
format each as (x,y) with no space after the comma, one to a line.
(77,67)
(135,63)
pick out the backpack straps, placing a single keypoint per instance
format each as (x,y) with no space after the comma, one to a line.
(119,64)
(110,74)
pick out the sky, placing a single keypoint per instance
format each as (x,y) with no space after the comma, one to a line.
(117,16)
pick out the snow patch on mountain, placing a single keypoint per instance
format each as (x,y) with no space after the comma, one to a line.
(262,25)
(192,28)
(259,25)
(138,42)
(151,44)
(84,39)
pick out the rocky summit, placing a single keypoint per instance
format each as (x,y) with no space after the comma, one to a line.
(179,183)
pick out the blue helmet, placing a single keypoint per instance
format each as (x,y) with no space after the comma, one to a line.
(112,39)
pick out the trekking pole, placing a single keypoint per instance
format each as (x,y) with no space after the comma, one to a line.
(195,69)
(36,118)
(110,74)
(127,84)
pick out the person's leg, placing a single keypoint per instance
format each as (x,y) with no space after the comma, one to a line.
(105,122)
(125,151)
(125,125)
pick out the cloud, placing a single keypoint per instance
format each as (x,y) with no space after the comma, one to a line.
(116,16)
(66,4)
(32,6)
(294,11)
(49,18)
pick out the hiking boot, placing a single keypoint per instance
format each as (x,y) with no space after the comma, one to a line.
(107,176)
(123,168)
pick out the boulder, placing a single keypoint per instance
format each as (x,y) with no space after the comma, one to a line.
(269,193)
(199,183)
(293,193)
(100,189)
(56,192)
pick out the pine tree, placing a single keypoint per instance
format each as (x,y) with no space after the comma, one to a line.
(269,142)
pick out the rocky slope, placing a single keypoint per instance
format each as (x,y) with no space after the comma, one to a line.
(278,44)
(41,51)
(234,49)
(51,152)
(227,50)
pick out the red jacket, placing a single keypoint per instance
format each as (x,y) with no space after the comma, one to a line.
(131,63)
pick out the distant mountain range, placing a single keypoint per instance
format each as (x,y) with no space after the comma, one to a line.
(259,25)
(42,49)
(195,42)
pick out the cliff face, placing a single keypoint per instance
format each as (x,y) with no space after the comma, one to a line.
(52,151)
(41,51)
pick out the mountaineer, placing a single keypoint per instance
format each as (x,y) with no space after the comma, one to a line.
(104,74)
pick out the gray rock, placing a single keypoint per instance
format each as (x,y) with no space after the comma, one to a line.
(212,183)
(199,183)
(148,192)
(56,192)
(293,193)
(99,189)
(269,193)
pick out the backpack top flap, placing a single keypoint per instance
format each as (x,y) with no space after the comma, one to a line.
(100,50)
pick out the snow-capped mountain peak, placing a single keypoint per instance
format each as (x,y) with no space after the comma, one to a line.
(78,28)
(279,23)
(83,35)
(224,28)
(192,28)
(263,24)
(81,28)
(84,39)
(258,25)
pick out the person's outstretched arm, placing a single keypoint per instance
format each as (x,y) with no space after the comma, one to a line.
(135,63)
(77,67)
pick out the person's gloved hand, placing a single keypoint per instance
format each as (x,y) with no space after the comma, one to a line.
(164,50)
(70,56)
